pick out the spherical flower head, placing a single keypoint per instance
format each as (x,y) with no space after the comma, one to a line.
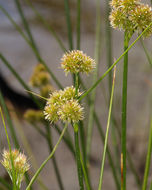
(69,93)
(17,161)
(56,102)
(130,16)
(76,61)
(52,106)
(118,20)
(127,4)
(51,112)
(71,112)
(34,116)
(40,76)
(141,18)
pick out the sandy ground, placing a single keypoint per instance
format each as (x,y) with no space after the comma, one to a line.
(139,94)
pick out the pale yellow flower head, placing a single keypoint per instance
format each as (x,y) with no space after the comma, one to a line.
(20,164)
(131,16)
(71,112)
(58,106)
(76,61)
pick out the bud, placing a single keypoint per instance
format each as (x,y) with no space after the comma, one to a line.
(76,61)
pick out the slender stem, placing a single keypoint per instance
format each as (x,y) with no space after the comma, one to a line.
(25,23)
(78,22)
(50,29)
(5,183)
(110,157)
(83,141)
(107,133)
(10,124)
(39,58)
(76,85)
(146,52)
(10,151)
(148,159)
(99,126)
(93,94)
(108,44)
(49,140)
(11,127)
(68,19)
(20,80)
(47,159)
(67,141)
(112,66)
(77,154)
(85,174)
(124,115)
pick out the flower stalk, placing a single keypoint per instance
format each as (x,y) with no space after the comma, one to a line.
(124,115)
(77,154)
(47,159)
(107,133)
(148,159)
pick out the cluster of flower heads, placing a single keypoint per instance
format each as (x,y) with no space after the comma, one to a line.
(76,61)
(63,105)
(131,16)
(15,161)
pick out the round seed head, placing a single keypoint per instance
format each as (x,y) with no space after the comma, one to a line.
(76,61)
(71,112)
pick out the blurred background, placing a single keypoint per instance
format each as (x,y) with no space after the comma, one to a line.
(21,57)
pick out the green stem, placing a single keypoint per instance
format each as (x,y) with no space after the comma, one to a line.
(85,174)
(39,58)
(148,159)
(10,124)
(25,23)
(83,141)
(112,66)
(11,127)
(110,157)
(93,95)
(76,84)
(77,154)
(20,80)
(49,140)
(47,159)
(67,141)
(124,115)
(106,137)
(99,126)
(108,44)
(78,22)
(146,52)
(68,20)
(10,151)
(5,183)
(50,29)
